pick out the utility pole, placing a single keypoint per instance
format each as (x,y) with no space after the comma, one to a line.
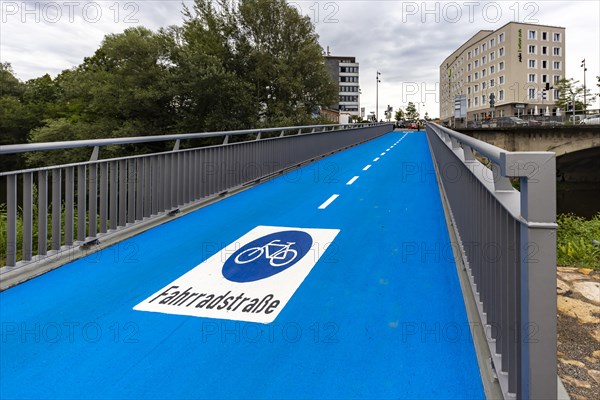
(377,96)
(584,88)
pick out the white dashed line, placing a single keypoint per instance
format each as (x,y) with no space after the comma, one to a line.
(328,202)
(376,159)
(351,181)
(388,149)
(367,167)
(382,154)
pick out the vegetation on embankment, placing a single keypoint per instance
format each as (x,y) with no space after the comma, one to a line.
(578,241)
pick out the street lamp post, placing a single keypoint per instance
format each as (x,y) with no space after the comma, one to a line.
(377,96)
(584,88)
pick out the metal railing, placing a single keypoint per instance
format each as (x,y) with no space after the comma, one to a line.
(507,241)
(90,199)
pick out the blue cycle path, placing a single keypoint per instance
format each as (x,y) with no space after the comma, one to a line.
(381,314)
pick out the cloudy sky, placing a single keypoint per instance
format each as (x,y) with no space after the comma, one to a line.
(404,40)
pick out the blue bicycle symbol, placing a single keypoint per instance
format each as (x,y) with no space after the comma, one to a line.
(276,252)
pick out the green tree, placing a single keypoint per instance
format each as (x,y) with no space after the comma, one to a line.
(269,47)
(15,119)
(399,115)
(569,92)
(411,111)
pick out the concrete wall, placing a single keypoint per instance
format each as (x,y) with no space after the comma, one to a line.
(561,139)
(577,147)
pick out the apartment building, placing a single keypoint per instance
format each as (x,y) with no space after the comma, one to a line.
(345,71)
(517,65)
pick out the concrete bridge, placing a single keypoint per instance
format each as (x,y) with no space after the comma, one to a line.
(577,148)
(334,261)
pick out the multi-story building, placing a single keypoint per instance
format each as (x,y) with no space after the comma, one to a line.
(516,63)
(345,71)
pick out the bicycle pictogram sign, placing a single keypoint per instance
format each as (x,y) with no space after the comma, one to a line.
(267,256)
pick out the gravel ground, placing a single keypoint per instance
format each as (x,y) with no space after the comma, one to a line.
(579,344)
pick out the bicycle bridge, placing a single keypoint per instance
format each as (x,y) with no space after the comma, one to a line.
(334,280)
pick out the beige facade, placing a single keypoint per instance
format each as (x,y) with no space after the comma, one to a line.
(515,63)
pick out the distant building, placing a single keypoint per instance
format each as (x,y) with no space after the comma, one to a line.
(514,63)
(345,71)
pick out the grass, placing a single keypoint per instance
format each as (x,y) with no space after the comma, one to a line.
(578,241)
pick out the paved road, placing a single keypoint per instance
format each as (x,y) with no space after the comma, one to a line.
(377,313)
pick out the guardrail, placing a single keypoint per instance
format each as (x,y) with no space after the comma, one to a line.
(90,199)
(507,241)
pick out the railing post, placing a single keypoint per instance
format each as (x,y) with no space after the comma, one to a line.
(538,270)
(11,231)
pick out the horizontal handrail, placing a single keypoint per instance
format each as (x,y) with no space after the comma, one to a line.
(22,148)
(488,150)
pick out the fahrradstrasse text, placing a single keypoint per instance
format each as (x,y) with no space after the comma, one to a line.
(191,297)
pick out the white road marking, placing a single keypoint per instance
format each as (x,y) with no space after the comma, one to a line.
(351,181)
(376,159)
(328,202)
(367,167)
(382,154)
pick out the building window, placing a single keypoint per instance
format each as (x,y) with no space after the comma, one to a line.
(501,66)
(469,103)
(556,94)
(469,79)
(469,90)
(476,88)
(531,93)
(501,38)
(469,67)
(483,60)
(531,63)
(492,56)
(544,64)
(476,75)
(492,42)
(469,55)
(476,51)
(556,65)
(483,73)
(556,37)
(531,35)
(556,51)
(482,85)
(544,50)
(483,99)
(531,78)
(544,78)
(476,63)
(492,69)
(476,101)
(491,83)
(501,95)
(556,78)
(544,35)
(501,52)
(501,80)
(531,49)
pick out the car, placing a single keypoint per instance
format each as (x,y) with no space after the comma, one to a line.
(412,125)
(511,121)
(400,124)
(534,122)
(552,123)
(591,120)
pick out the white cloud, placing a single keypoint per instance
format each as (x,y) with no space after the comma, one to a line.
(405,40)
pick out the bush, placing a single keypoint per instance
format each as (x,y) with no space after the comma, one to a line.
(578,241)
